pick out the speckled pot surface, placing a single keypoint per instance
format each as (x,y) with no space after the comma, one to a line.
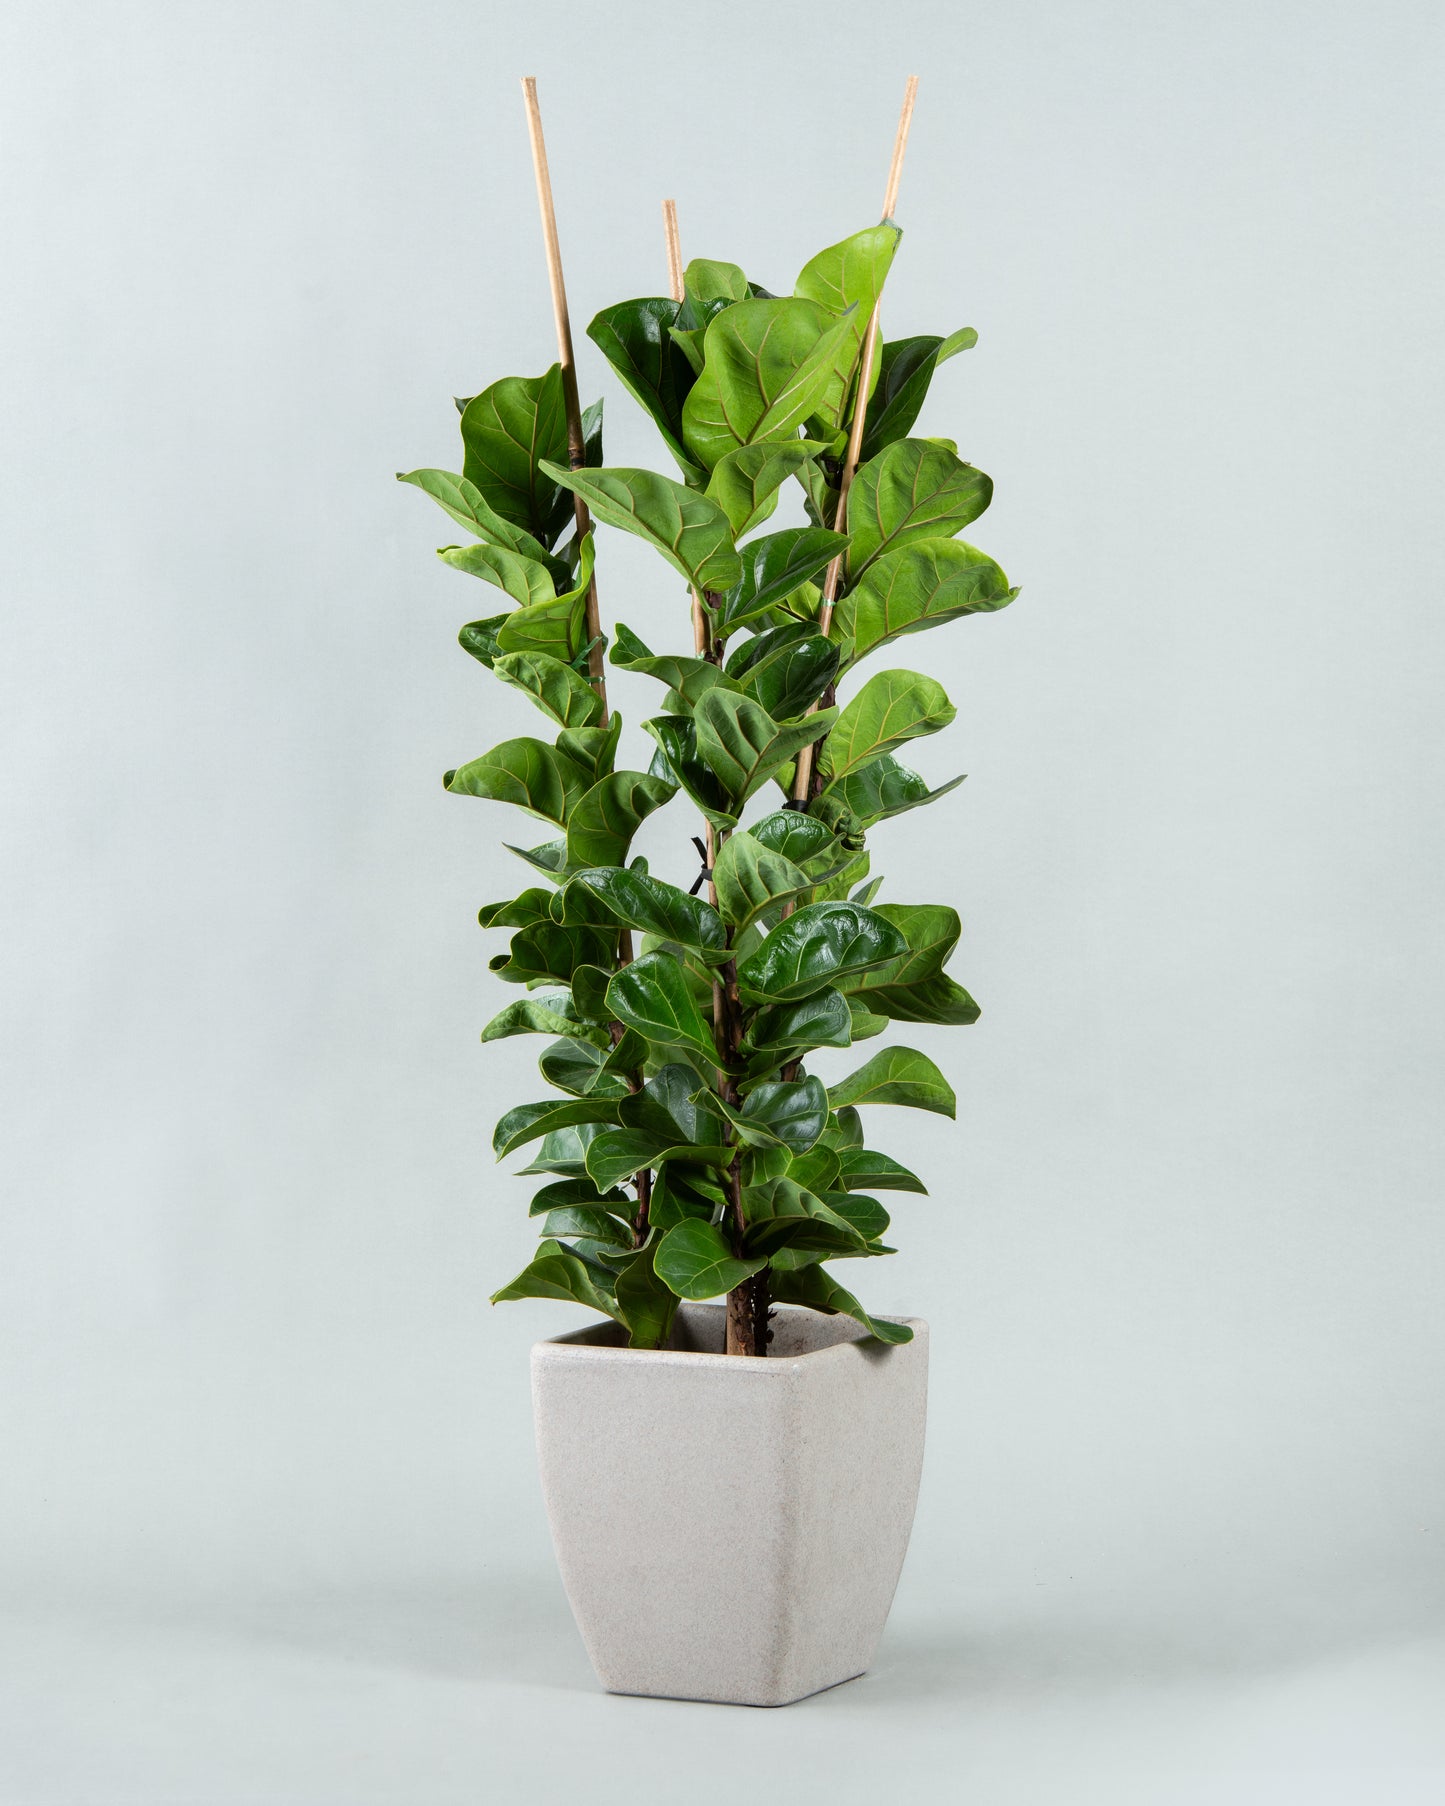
(731,1528)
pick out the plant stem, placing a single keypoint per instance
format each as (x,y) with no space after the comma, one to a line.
(576,447)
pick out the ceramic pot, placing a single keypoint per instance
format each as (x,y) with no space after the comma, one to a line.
(728,1527)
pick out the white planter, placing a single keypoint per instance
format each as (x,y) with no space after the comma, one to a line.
(731,1528)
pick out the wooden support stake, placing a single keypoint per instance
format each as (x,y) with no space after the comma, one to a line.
(833,580)
(576,448)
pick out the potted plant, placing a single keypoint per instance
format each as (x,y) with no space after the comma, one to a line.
(731,1456)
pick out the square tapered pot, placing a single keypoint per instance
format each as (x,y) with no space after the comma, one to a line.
(728,1527)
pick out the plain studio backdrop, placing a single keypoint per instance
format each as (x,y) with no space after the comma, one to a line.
(269,1520)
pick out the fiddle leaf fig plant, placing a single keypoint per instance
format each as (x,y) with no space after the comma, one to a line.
(684,1149)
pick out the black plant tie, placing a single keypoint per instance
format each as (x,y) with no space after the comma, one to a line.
(705,875)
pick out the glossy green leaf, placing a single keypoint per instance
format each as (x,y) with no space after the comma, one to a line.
(892,707)
(885,789)
(783,1214)
(552,629)
(646,1305)
(819,945)
(635,338)
(529,773)
(564,1192)
(918,586)
(905,369)
(550,858)
(859,1167)
(549,1015)
(592,749)
(744,746)
(510,431)
(774,566)
(689,677)
(865,1214)
(796,836)
(912,490)
(793,676)
(819,1291)
(782,1030)
(931,931)
(937,999)
(523,579)
(604,818)
(691,532)
(677,761)
(466,504)
(564,1151)
(588,1223)
(530,1122)
(696,1261)
(534,905)
(768,366)
(745,483)
(579,1066)
(648,904)
(896,1075)
(479,638)
(750,879)
(556,1272)
(557,689)
(547,951)
(707,280)
(792,1113)
(849,275)
(676,1199)
(652,996)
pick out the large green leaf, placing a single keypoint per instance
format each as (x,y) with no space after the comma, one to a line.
(579,1066)
(790,677)
(469,508)
(896,1075)
(796,836)
(530,1122)
(675,1199)
(891,708)
(744,746)
(523,579)
(918,586)
(912,490)
(552,629)
(510,430)
(819,945)
(588,1223)
(749,879)
(746,482)
(638,901)
(784,1029)
(604,818)
(548,951)
(563,1193)
(557,689)
(792,1113)
(534,905)
(479,638)
(527,772)
(783,1214)
(884,789)
(931,931)
(646,1305)
(819,1291)
(774,566)
(564,1151)
(677,761)
(635,338)
(689,677)
(691,532)
(937,999)
(905,369)
(551,1015)
(769,365)
(849,275)
(556,1272)
(696,1261)
(879,1172)
(652,996)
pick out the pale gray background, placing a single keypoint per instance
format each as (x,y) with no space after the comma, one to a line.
(269,1523)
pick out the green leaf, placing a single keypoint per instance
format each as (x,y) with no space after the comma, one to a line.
(510,431)
(552,1015)
(523,579)
(796,836)
(696,1262)
(469,508)
(604,819)
(529,773)
(750,879)
(635,338)
(553,629)
(791,1113)
(931,931)
(745,483)
(534,905)
(556,1272)
(861,1166)
(565,1192)
(589,1224)
(884,789)
(783,1214)
(617,1154)
(652,996)
(791,677)
(593,749)
(844,1130)
(817,946)
(911,491)
(819,1291)
(774,566)
(938,999)
(590,982)
(891,708)
(479,638)
(905,369)
(549,951)
(675,1199)
(550,858)
(705,280)
(784,1029)
(637,901)
(578,1065)
(768,366)
(556,688)
(646,1305)
(690,677)
(564,1151)
(897,1075)
(818,1171)
(691,532)
(866,1215)
(743,744)
(530,1122)
(676,760)
(849,275)
(918,586)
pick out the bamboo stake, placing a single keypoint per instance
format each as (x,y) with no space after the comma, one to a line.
(833,580)
(674,279)
(576,448)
